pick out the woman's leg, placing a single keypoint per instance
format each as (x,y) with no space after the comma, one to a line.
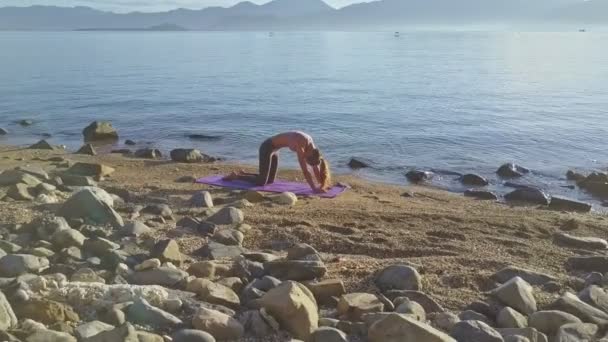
(274,167)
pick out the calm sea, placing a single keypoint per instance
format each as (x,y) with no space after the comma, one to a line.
(451,101)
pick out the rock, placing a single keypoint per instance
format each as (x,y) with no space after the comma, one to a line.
(7,315)
(294,307)
(566,204)
(295,269)
(326,334)
(42,145)
(481,194)
(589,263)
(398,328)
(123,333)
(91,170)
(201,199)
(530,333)
(255,323)
(67,238)
(568,240)
(91,329)
(186,179)
(356,163)
(13,265)
(214,293)
(12,177)
(573,305)
(46,311)
(471,315)
(228,237)
(202,269)
(167,251)
(528,195)
(324,290)
(3,131)
(217,251)
(548,322)
(595,296)
(182,155)
(148,153)
(25,122)
(144,336)
(142,313)
(50,336)
(412,309)
(9,247)
(286,198)
(136,228)
(517,293)
(511,170)
(354,305)
(575,176)
(75,180)
(93,204)
(99,130)
(163,276)
(509,318)
(162,210)
(20,192)
(191,335)
(444,320)
(86,275)
(417,176)
(473,179)
(398,277)
(35,171)
(428,303)
(219,325)
(516,338)
(254,196)
(227,216)
(87,149)
(576,332)
(466,331)
(530,276)
(148,264)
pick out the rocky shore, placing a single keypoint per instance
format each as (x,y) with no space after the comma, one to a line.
(124,247)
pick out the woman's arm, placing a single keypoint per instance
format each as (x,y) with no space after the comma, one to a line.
(305,171)
(317,172)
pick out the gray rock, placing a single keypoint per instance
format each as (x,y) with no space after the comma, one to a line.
(470,315)
(398,277)
(571,304)
(9,247)
(511,170)
(353,306)
(164,276)
(99,246)
(201,199)
(549,321)
(467,331)
(192,335)
(20,192)
(99,130)
(297,270)
(568,240)
(516,338)
(326,334)
(87,149)
(159,209)
(13,265)
(217,251)
(86,275)
(509,318)
(419,176)
(3,131)
(76,180)
(214,293)
(12,177)
(35,171)
(136,228)
(595,296)
(530,276)
(7,315)
(444,320)
(50,336)
(528,195)
(230,237)
(227,216)
(254,323)
(531,334)
(473,179)
(589,263)
(398,328)
(96,170)
(221,326)
(481,194)
(67,238)
(91,329)
(142,313)
(183,155)
(517,293)
(42,145)
(123,333)
(148,153)
(428,303)
(566,204)
(92,204)
(412,309)
(576,332)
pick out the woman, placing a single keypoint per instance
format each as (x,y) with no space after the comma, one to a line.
(308,155)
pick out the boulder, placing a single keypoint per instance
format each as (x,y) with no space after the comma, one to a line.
(142,313)
(91,204)
(411,309)
(428,303)
(294,307)
(91,170)
(509,318)
(86,275)
(328,334)
(148,153)
(528,195)
(163,276)
(75,180)
(481,194)
(42,145)
(353,306)
(511,170)
(167,251)
(13,265)
(549,321)
(573,305)
(183,155)
(67,238)
(398,328)
(47,335)
(595,296)
(12,177)
(46,311)
(201,199)
(468,331)
(230,237)
(217,251)
(192,335)
(87,149)
(91,329)
(123,333)
(324,290)
(136,228)
(8,319)
(3,131)
(567,240)
(159,209)
(298,270)
(531,334)
(99,130)
(418,176)
(471,315)
(517,293)
(398,277)
(593,263)
(286,198)
(214,293)
(575,176)
(530,276)
(444,320)
(35,171)
(566,204)
(219,325)
(473,179)
(575,332)
(356,163)
(227,216)
(20,192)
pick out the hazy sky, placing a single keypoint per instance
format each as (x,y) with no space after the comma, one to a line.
(146,5)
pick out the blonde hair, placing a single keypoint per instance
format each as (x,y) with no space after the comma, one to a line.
(325,174)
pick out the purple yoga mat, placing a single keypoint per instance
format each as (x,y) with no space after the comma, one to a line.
(300,189)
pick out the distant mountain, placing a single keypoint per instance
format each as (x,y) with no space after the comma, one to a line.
(312,15)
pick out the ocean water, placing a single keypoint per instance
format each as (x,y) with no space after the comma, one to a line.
(450,101)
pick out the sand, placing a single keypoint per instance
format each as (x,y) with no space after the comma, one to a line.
(456,242)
